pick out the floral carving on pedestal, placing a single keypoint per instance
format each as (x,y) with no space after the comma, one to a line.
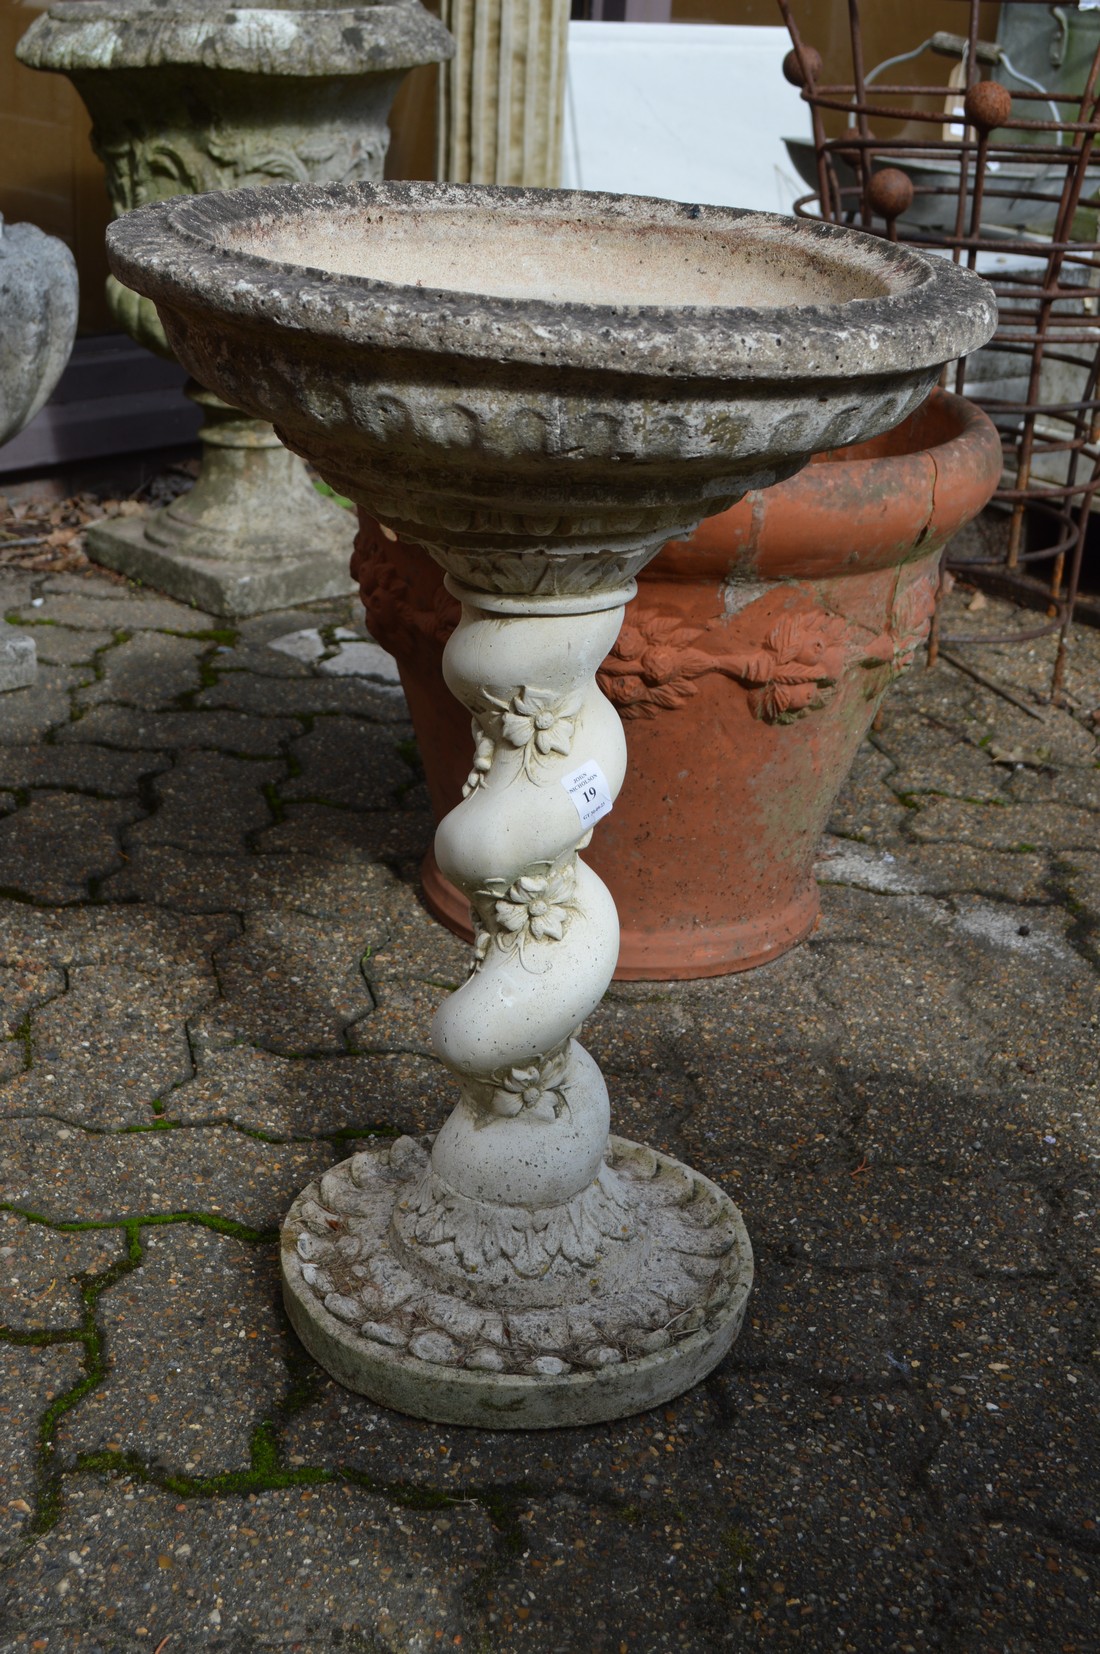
(539,722)
(538,1089)
(794,670)
(536,907)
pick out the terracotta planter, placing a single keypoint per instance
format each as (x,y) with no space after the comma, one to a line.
(747,671)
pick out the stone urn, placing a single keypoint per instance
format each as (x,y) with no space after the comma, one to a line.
(747,671)
(198,96)
(38,306)
(542,388)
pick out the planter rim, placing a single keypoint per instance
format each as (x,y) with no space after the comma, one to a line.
(844,515)
(288,40)
(191,253)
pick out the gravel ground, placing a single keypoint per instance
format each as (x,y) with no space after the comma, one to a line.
(216,977)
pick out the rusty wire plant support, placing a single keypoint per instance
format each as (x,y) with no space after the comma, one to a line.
(992,184)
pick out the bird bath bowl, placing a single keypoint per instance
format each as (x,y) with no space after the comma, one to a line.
(542,388)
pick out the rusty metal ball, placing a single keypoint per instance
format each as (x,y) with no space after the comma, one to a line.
(890,193)
(988,104)
(792,69)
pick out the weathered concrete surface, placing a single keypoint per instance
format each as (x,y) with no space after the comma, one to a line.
(219,979)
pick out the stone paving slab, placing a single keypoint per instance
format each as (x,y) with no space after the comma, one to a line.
(312,1096)
(215,1175)
(87,604)
(234,803)
(53,849)
(231,732)
(43,1270)
(380,836)
(302,696)
(99,771)
(32,1377)
(301,1568)
(348,761)
(177,1413)
(69,645)
(32,714)
(149,670)
(217,977)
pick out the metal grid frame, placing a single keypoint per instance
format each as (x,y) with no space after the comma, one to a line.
(1049,308)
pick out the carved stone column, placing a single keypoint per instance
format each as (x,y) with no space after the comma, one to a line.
(502,96)
(524,1243)
(199,97)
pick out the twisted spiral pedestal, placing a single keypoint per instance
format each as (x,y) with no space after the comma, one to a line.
(525,1269)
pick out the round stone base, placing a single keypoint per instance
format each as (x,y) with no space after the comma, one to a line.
(651,1317)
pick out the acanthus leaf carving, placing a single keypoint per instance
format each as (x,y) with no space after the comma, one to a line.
(528,1242)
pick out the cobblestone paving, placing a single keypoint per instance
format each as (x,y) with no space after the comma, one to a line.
(216,979)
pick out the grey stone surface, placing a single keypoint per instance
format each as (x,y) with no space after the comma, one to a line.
(291,983)
(149,670)
(70,645)
(18,660)
(329,1567)
(157,1401)
(902,1443)
(349,835)
(44,1269)
(308,1096)
(296,697)
(31,1378)
(92,609)
(346,761)
(113,1047)
(231,585)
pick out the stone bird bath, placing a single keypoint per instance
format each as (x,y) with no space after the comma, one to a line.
(541,388)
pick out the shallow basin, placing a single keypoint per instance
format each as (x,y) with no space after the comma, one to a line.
(499,370)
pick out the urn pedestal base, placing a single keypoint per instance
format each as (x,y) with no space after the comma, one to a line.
(253,534)
(228,585)
(646,1279)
